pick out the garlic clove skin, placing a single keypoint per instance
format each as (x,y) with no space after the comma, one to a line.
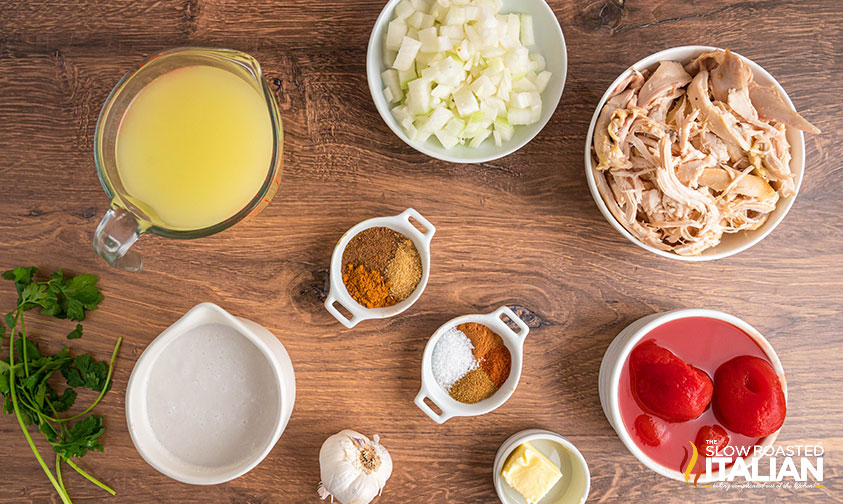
(354,469)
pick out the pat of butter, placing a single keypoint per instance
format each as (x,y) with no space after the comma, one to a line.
(530,473)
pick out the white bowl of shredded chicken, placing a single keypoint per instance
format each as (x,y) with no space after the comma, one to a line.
(695,153)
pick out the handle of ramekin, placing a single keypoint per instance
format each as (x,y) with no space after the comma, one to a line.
(524,329)
(438,418)
(329,305)
(430,229)
(116,233)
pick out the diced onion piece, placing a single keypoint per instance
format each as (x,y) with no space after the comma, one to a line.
(525,99)
(465,101)
(404,9)
(439,9)
(405,76)
(429,38)
(524,84)
(438,118)
(517,116)
(535,113)
(456,16)
(406,54)
(513,26)
(542,81)
(506,130)
(483,87)
(539,60)
(402,115)
(395,32)
(478,139)
(390,78)
(418,96)
(527,37)
(415,19)
(464,51)
(442,91)
(454,32)
(387,93)
(446,139)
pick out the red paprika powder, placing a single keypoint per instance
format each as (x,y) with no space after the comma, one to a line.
(497,363)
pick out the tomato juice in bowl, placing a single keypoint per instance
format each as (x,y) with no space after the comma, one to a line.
(696,342)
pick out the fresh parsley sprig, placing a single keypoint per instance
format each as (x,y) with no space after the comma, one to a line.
(24,373)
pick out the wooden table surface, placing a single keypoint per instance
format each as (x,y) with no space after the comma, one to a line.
(522,230)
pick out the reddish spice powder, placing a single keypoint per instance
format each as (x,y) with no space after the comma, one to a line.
(497,364)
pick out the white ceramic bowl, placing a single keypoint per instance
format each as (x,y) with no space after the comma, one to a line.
(616,356)
(731,243)
(449,406)
(549,42)
(216,466)
(339,294)
(575,484)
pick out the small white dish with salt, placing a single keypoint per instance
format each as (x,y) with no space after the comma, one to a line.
(434,396)
(209,397)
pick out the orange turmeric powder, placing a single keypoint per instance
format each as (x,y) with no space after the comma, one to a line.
(367,286)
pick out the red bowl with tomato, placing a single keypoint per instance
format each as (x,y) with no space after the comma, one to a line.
(685,385)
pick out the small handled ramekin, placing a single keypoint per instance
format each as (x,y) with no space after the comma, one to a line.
(575,484)
(339,294)
(616,356)
(450,407)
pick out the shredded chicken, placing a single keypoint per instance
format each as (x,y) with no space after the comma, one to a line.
(690,152)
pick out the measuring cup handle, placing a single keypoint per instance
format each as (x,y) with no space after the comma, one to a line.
(348,322)
(430,229)
(438,418)
(117,231)
(524,329)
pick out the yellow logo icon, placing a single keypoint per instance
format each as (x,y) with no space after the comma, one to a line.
(691,463)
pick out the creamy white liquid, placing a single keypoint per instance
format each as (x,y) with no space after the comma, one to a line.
(213,398)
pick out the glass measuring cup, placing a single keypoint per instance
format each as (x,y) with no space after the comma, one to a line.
(128,218)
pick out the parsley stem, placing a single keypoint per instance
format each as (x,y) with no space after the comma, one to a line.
(58,472)
(90,478)
(104,387)
(23,341)
(64,497)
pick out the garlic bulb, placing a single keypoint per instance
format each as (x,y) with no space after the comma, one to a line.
(354,469)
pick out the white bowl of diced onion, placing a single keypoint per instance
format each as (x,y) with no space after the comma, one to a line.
(466,81)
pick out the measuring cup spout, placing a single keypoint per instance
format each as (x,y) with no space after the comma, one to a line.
(117,231)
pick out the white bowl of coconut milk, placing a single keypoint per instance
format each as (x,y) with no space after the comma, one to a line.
(209,397)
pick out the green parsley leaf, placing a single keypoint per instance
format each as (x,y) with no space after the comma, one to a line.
(21,276)
(9,319)
(81,437)
(86,372)
(76,333)
(63,402)
(49,431)
(5,371)
(74,296)
(32,352)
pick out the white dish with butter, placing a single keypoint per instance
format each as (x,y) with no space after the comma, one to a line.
(575,483)
(209,397)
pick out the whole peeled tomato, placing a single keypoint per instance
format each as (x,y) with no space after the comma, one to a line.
(711,439)
(748,396)
(665,385)
(651,431)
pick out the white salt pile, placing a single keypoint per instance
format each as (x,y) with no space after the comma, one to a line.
(452,358)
